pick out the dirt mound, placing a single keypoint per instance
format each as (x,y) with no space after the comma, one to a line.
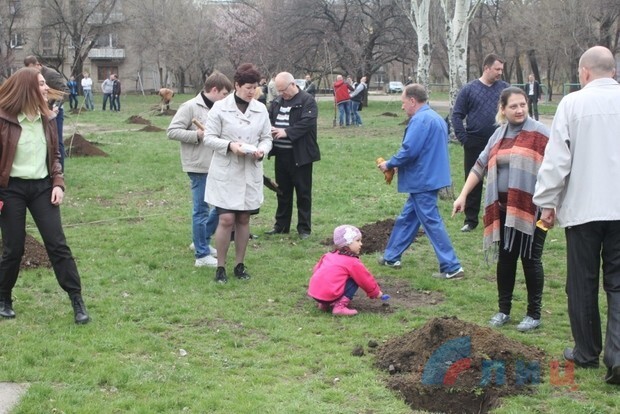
(167,112)
(34,254)
(392,114)
(136,119)
(374,236)
(77,146)
(151,128)
(451,366)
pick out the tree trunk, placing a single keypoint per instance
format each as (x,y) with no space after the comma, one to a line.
(418,15)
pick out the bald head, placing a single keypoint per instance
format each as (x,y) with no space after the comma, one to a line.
(285,85)
(284,77)
(596,62)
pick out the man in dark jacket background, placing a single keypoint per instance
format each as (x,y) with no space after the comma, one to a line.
(293,116)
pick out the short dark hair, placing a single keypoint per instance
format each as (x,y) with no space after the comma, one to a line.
(219,81)
(246,73)
(417,92)
(30,60)
(490,59)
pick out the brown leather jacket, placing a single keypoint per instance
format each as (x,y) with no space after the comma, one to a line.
(10,131)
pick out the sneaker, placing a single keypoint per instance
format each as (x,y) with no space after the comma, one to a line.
(241,272)
(499,319)
(459,274)
(192,246)
(220,275)
(206,261)
(395,264)
(467,228)
(527,324)
(212,251)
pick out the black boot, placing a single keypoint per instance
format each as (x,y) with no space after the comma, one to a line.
(79,309)
(6,308)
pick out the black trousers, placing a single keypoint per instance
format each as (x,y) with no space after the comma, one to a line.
(532,269)
(532,107)
(586,245)
(471,151)
(34,195)
(293,179)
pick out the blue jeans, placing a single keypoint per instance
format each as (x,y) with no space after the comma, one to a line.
(204,219)
(344,108)
(355,114)
(106,97)
(88,100)
(421,210)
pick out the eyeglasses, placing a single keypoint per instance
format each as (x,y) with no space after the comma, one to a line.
(284,90)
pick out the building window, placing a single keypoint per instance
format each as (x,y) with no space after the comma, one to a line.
(17,41)
(104,72)
(46,43)
(106,40)
(15,7)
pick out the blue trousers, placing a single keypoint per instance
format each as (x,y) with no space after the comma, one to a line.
(204,219)
(421,210)
(344,110)
(356,119)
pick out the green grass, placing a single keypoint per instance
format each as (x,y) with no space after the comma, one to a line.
(255,347)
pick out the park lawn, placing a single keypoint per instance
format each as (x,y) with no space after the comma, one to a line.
(164,338)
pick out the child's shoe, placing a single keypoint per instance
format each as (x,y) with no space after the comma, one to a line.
(341,307)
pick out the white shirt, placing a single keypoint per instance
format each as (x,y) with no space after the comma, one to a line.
(580,174)
(87,83)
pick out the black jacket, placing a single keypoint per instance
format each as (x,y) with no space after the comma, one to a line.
(302,130)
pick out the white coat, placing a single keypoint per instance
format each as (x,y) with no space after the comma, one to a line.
(236,182)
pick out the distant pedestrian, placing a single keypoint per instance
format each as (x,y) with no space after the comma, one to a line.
(532,90)
(107,88)
(116,93)
(87,88)
(73,93)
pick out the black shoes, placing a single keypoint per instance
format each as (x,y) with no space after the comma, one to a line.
(241,272)
(613,375)
(275,231)
(569,356)
(6,308)
(220,275)
(79,309)
(304,236)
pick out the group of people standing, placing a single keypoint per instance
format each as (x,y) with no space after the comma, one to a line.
(348,98)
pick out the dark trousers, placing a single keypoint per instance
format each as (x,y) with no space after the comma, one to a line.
(586,245)
(532,107)
(532,269)
(73,101)
(60,120)
(34,195)
(291,178)
(472,149)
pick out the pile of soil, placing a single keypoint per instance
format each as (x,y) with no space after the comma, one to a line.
(34,254)
(136,119)
(392,114)
(77,146)
(439,367)
(374,236)
(167,112)
(151,128)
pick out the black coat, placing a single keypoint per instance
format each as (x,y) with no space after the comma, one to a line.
(303,126)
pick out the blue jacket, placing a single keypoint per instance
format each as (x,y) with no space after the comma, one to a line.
(422,160)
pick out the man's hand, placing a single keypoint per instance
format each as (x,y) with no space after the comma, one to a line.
(58,195)
(278,133)
(548,217)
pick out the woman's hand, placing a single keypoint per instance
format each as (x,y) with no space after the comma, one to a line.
(258,155)
(235,148)
(459,205)
(58,194)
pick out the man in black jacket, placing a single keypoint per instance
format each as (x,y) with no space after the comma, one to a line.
(532,90)
(293,117)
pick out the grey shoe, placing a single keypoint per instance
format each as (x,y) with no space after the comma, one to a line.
(459,274)
(395,264)
(467,228)
(527,324)
(499,319)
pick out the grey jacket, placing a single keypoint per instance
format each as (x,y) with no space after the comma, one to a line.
(195,157)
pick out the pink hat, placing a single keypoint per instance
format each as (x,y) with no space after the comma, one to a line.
(345,235)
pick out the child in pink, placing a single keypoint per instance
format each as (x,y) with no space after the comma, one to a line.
(338,275)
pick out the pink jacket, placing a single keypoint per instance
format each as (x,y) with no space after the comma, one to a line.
(331,273)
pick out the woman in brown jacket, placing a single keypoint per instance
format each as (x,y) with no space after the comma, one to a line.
(31,178)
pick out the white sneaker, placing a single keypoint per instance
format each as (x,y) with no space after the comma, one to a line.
(192,247)
(206,261)
(212,251)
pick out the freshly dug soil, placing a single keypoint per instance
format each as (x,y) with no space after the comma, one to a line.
(34,254)
(151,128)
(136,119)
(77,146)
(420,364)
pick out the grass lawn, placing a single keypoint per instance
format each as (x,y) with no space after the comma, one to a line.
(164,338)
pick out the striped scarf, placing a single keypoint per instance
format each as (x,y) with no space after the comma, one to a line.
(526,157)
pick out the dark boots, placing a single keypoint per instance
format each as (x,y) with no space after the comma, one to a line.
(6,308)
(79,309)
(242,272)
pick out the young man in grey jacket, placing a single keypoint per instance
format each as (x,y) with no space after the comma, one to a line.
(195,161)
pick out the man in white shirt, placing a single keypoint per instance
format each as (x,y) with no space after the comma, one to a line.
(579,180)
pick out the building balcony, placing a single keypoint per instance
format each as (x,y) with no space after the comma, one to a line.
(106,53)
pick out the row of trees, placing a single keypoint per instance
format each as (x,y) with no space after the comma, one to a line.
(434,41)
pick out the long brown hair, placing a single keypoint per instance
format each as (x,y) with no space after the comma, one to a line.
(20,93)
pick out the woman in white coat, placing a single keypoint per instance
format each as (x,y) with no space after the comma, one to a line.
(239,132)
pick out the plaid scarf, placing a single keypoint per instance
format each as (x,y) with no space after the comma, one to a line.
(526,157)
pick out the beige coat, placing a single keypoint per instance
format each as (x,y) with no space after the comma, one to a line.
(236,182)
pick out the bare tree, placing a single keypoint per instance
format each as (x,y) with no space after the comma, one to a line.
(418,13)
